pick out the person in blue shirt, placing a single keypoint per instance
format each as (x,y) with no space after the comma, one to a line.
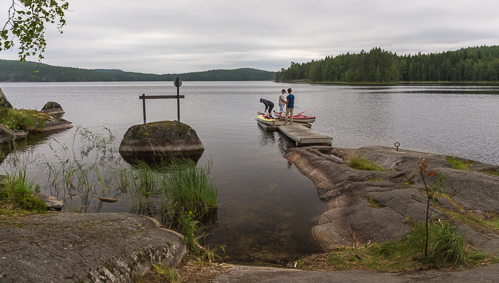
(290,105)
(268,105)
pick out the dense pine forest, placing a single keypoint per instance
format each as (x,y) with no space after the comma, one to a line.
(472,64)
(15,71)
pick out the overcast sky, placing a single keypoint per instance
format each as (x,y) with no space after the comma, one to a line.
(153,36)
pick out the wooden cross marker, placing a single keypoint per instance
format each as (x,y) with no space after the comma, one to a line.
(177,83)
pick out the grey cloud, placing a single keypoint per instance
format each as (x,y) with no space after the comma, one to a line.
(192,35)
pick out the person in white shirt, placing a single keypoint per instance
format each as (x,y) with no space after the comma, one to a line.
(282,103)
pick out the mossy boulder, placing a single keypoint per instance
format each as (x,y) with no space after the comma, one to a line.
(159,141)
(52,108)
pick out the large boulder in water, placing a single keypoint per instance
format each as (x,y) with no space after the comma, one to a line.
(52,108)
(157,141)
(4,102)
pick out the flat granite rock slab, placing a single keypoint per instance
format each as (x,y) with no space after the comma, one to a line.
(247,274)
(92,247)
(401,189)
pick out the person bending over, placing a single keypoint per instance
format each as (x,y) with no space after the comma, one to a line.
(268,105)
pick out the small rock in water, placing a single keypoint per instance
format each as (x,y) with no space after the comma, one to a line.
(108,199)
(51,202)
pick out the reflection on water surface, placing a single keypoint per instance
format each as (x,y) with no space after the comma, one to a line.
(266,207)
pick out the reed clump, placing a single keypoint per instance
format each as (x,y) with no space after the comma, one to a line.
(173,191)
(176,192)
(17,195)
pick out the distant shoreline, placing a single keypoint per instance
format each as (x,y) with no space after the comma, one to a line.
(15,71)
(392,83)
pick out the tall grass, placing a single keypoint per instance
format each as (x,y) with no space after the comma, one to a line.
(173,192)
(17,192)
(447,250)
(445,245)
(91,168)
(189,190)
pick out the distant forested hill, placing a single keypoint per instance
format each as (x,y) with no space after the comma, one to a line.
(470,64)
(15,71)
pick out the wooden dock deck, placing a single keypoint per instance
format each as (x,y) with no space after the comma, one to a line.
(278,123)
(299,133)
(304,136)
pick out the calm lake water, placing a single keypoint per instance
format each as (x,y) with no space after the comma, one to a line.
(266,207)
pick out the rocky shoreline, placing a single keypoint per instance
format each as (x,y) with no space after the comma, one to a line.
(378,206)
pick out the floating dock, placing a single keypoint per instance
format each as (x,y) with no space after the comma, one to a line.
(299,133)
(277,124)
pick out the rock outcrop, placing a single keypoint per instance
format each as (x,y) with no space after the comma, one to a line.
(6,135)
(56,124)
(52,108)
(377,206)
(52,203)
(161,140)
(4,102)
(86,247)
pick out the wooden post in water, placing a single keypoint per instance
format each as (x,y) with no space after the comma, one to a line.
(177,83)
(144,107)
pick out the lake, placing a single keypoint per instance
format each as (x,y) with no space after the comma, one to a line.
(266,206)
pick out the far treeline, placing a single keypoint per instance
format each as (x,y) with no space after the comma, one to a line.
(16,71)
(472,64)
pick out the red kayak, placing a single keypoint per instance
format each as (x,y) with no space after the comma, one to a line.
(300,118)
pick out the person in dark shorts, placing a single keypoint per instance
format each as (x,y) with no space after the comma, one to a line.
(268,105)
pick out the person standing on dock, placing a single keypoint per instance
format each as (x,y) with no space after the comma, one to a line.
(268,105)
(290,105)
(282,101)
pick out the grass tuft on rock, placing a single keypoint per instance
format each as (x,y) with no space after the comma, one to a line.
(360,163)
(22,119)
(458,163)
(491,172)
